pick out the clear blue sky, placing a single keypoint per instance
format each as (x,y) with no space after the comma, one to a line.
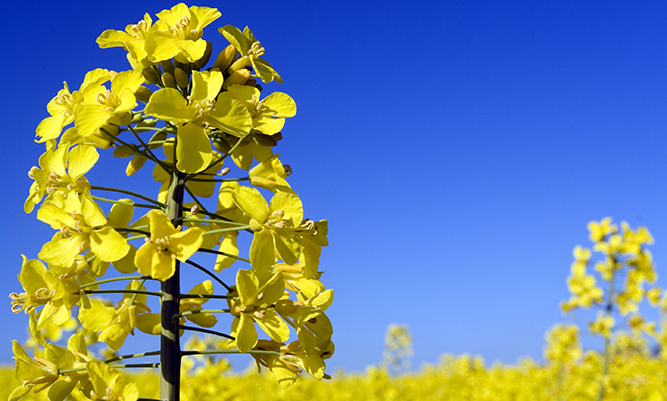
(457,148)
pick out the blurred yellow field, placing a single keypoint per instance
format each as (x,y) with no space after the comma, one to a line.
(634,375)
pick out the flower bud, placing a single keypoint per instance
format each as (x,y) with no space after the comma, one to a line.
(168,80)
(238,64)
(150,76)
(167,66)
(182,78)
(144,125)
(225,58)
(158,137)
(136,118)
(207,55)
(237,78)
(135,164)
(143,94)
(221,145)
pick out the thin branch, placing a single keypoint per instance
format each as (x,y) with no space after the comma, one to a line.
(148,150)
(119,366)
(139,355)
(206,296)
(226,230)
(209,273)
(219,179)
(198,311)
(223,351)
(123,191)
(212,332)
(229,255)
(124,203)
(110,280)
(157,294)
(133,230)
(213,221)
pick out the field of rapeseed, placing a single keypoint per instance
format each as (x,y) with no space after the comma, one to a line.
(634,375)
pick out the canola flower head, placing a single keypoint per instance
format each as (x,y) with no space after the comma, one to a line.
(169,103)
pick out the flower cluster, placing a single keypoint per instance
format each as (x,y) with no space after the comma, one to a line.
(172,102)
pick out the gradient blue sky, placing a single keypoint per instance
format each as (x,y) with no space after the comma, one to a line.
(458,149)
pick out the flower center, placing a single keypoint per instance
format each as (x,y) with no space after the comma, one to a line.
(139,31)
(66,101)
(109,99)
(256,50)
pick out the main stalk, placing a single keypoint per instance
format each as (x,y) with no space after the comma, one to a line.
(170,346)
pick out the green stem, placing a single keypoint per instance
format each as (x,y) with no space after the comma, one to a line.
(197,311)
(170,345)
(207,331)
(607,340)
(136,237)
(157,294)
(229,255)
(133,230)
(139,355)
(111,280)
(226,230)
(118,366)
(206,296)
(136,294)
(124,203)
(136,195)
(209,273)
(214,221)
(219,179)
(219,352)
(146,148)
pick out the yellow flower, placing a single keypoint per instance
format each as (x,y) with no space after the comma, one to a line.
(274,225)
(296,280)
(60,170)
(58,294)
(312,326)
(268,115)
(82,225)
(114,324)
(107,384)
(581,258)
(40,373)
(599,230)
(602,325)
(270,174)
(250,50)
(256,293)
(158,255)
(563,344)
(101,105)
(135,40)
(584,290)
(180,32)
(62,106)
(193,115)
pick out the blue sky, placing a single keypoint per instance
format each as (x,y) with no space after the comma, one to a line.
(457,148)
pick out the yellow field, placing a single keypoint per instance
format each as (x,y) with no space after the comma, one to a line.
(634,376)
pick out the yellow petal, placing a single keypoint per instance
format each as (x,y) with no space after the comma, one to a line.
(231,116)
(108,245)
(274,326)
(169,104)
(246,337)
(81,159)
(206,85)
(193,150)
